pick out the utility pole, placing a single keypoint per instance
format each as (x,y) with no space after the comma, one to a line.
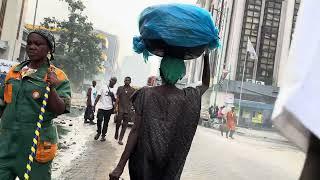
(241,87)
(35,14)
(216,53)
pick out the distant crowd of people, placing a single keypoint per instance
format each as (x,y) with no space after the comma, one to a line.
(108,101)
(226,117)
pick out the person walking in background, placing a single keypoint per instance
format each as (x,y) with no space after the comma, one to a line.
(222,121)
(215,111)
(211,113)
(91,97)
(231,122)
(105,102)
(220,114)
(152,81)
(124,105)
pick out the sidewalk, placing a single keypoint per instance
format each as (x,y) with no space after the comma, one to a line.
(80,157)
(258,134)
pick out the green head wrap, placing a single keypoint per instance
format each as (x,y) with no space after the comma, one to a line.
(172,69)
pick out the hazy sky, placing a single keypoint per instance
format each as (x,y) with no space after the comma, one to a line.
(119,17)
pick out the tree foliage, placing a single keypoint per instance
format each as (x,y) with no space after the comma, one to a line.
(78,49)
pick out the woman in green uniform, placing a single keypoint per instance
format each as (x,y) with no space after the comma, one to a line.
(20,102)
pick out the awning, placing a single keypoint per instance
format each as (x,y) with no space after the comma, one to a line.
(4,45)
(253,105)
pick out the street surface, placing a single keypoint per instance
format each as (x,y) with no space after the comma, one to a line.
(211,157)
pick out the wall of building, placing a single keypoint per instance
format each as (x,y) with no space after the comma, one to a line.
(283,40)
(111,63)
(10,29)
(223,98)
(284,43)
(235,35)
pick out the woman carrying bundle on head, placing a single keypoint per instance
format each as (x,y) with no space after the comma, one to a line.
(166,117)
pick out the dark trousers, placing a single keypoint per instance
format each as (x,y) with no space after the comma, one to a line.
(103,116)
(89,113)
(122,118)
(311,167)
(230,132)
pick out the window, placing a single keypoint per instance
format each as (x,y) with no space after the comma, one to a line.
(250,64)
(254,33)
(253,39)
(295,15)
(255,20)
(2,14)
(251,7)
(250,28)
(268,23)
(268,41)
(20,19)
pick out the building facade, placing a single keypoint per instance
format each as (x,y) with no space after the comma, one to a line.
(12,15)
(112,50)
(110,53)
(269,25)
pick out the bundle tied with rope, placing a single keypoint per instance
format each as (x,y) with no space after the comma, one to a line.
(176,32)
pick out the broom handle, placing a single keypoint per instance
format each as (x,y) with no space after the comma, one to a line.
(37,131)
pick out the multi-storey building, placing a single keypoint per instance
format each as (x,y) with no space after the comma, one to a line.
(12,15)
(269,25)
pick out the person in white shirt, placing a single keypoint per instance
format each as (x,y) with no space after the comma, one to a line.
(91,97)
(105,102)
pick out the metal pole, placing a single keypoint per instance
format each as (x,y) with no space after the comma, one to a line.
(218,76)
(244,68)
(216,54)
(14,49)
(254,74)
(229,74)
(35,14)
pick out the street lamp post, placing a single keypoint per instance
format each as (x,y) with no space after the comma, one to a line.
(218,60)
(241,87)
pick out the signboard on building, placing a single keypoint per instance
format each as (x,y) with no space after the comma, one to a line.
(5,65)
(229,99)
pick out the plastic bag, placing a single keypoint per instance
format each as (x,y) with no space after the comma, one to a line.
(179,30)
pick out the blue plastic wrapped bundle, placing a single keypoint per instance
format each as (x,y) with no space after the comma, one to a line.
(177,30)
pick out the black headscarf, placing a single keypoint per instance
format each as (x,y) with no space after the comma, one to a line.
(49,37)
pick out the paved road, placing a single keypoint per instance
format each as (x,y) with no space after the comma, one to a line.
(215,157)
(211,157)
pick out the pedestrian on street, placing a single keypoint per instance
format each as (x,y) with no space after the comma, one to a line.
(152,81)
(124,105)
(231,122)
(220,114)
(91,98)
(211,114)
(222,127)
(166,120)
(105,103)
(20,103)
(215,112)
